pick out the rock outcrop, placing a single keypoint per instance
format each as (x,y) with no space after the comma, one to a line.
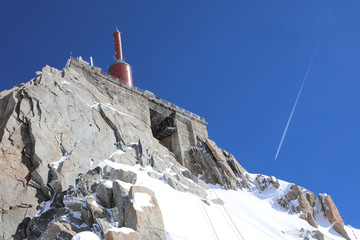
(263,182)
(216,166)
(299,200)
(109,210)
(332,213)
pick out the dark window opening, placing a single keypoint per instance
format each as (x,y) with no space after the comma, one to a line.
(162,127)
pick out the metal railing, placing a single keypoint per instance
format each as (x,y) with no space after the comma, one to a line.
(149,95)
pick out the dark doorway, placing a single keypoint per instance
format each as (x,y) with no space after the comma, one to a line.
(162,127)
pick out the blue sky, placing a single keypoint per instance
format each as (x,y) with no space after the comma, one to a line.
(239,64)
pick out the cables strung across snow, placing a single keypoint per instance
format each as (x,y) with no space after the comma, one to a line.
(305,78)
(229,216)
(211,224)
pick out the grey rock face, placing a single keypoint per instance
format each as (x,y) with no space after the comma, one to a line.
(217,166)
(58,125)
(64,123)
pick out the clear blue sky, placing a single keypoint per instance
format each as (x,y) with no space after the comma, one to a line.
(239,64)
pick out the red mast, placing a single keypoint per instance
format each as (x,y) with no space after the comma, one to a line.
(117,44)
(120,69)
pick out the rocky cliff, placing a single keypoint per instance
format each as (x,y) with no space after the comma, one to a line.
(74,154)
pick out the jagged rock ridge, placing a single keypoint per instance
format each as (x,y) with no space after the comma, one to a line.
(56,131)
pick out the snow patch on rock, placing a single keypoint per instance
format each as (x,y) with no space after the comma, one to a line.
(141,200)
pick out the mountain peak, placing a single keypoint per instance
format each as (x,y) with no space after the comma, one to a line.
(82,152)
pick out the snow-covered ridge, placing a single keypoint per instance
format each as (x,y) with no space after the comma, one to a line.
(252,213)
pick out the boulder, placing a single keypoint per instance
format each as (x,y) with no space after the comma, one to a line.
(155,175)
(143,214)
(87,216)
(58,231)
(95,209)
(75,220)
(177,185)
(122,234)
(120,174)
(119,198)
(333,214)
(218,201)
(104,225)
(126,158)
(105,194)
(71,199)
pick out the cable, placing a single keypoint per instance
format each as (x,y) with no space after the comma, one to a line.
(229,216)
(206,221)
(212,226)
(305,77)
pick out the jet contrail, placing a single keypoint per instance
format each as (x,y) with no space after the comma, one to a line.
(304,79)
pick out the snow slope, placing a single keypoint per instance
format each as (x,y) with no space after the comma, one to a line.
(246,214)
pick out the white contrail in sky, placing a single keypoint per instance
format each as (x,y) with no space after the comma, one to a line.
(304,80)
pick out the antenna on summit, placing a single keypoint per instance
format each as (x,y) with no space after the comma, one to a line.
(120,69)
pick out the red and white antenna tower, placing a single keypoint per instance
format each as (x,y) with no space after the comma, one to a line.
(120,69)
